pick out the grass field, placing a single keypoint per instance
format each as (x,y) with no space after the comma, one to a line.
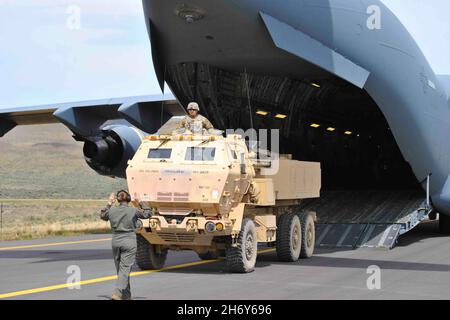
(44,166)
(31,219)
(41,162)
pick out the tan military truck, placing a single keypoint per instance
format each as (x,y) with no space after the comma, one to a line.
(211,196)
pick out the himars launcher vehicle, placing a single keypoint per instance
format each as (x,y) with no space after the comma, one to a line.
(343,80)
(209,194)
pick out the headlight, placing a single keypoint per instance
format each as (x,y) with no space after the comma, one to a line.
(219,226)
(210,226)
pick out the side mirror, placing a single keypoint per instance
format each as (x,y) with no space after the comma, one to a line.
(243,167)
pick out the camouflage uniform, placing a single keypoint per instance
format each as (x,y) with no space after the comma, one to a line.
(196,125)
(123,220)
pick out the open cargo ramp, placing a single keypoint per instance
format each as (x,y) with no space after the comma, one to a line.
(353,219)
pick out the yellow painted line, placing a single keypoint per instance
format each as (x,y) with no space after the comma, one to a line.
(51,244)
(97,280)
(55,287)
(110,278)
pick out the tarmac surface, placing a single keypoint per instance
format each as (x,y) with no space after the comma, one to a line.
(417,268)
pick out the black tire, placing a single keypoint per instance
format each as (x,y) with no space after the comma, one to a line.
(242,258)
(308,235)
(444,224)
(210,255)
(147,257)
(289,238)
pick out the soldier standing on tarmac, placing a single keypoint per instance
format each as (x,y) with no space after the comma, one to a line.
(123,220)
(195,122)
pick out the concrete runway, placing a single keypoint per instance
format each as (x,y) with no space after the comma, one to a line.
(418,268)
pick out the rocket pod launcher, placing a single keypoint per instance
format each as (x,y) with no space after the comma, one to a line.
(210,195)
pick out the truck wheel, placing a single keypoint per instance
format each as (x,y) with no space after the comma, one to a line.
(242,258)
(210,255)
(147,257)
(308,235)
(444,223)
(289,237)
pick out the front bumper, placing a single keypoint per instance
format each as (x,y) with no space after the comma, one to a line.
(191,231)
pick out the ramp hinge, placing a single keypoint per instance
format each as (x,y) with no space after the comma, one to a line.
(428,203)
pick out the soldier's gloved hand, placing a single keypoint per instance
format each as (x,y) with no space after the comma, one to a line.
(138,225)
(112,199)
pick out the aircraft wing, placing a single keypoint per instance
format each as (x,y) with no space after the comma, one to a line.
(84,118)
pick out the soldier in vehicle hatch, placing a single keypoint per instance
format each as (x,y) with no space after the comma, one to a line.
(195,122)
(123,220)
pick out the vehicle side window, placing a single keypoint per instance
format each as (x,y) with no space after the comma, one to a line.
(200,154)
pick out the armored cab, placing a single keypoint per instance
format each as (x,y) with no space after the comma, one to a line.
(210,195)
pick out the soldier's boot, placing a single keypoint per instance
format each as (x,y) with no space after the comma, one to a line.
(116,297)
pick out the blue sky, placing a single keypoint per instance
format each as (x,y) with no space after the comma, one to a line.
(42,61)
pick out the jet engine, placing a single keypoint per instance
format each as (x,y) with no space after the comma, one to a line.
(108,152)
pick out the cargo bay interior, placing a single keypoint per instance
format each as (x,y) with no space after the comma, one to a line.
(327,120)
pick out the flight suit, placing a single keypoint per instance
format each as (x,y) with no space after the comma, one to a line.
(196,125)
(123,220)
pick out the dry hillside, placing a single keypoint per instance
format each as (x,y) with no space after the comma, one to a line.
(46,162)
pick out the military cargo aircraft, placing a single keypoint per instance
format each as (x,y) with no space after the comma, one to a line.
(343,80)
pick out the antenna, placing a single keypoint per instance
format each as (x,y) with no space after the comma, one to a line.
(249,107)
(162,100)
(248,97)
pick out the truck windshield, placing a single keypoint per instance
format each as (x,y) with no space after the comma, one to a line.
(159,153)
(200,154)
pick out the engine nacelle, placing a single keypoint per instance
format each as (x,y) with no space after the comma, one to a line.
(109,152)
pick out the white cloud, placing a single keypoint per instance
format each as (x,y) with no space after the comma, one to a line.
(42,61)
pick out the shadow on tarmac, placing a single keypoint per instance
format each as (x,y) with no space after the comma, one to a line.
(46,256)
(270,259)
(105,297)
(422,232)
(425,230)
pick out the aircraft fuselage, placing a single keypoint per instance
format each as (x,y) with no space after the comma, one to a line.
(256,35)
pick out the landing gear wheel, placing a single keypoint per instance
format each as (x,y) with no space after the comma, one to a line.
(289,237)
(308,235)
(147,255)
(444,223)
(210,255)
(242,258)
